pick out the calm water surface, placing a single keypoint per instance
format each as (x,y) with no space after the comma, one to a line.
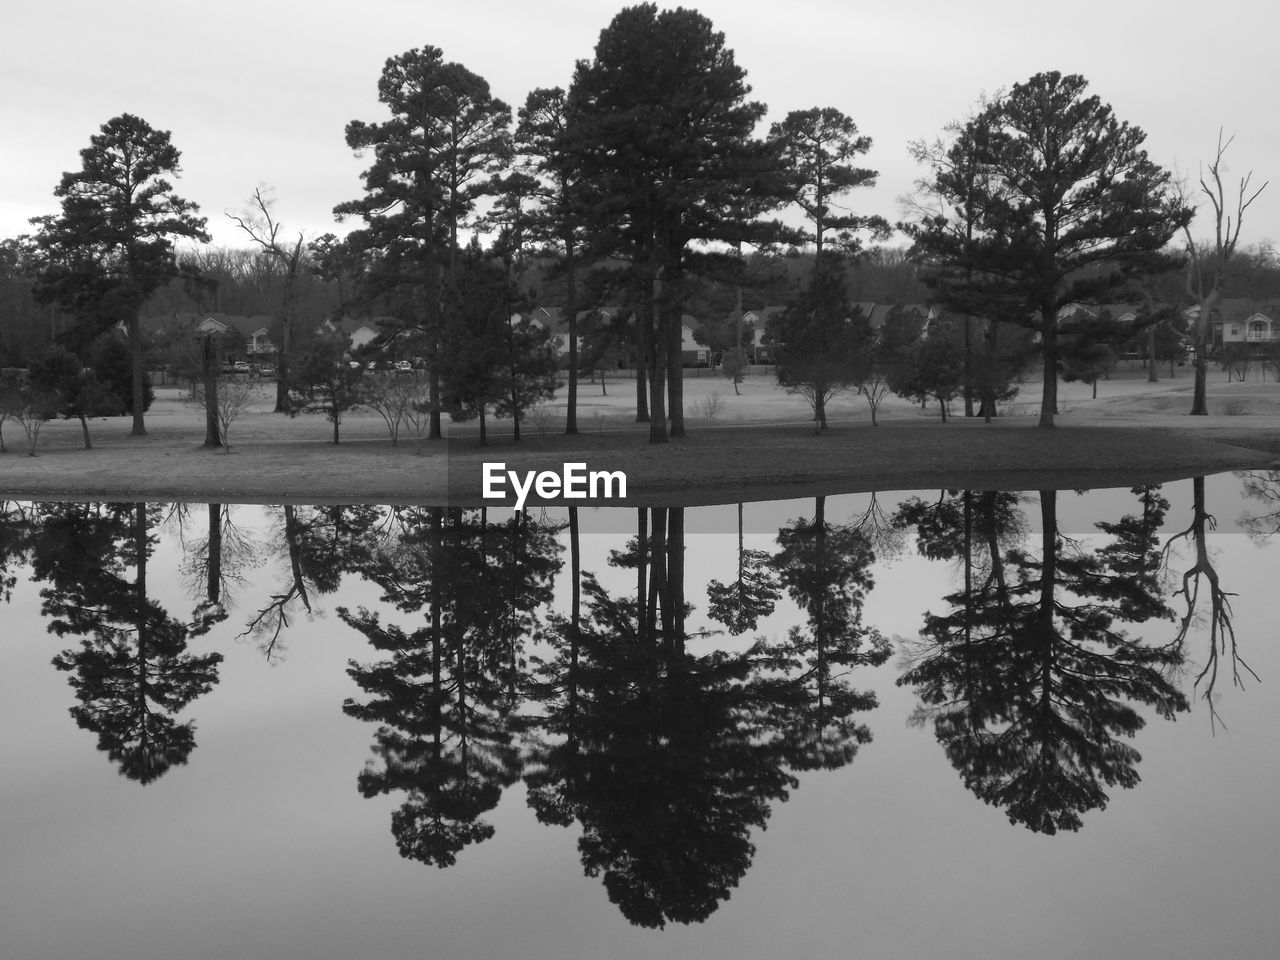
(935,723)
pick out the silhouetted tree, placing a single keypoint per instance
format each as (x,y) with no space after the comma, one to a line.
(1028,681)
(132,673)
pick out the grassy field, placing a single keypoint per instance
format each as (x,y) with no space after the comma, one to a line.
(758,444)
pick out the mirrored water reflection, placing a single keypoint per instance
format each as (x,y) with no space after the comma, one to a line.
(389,731)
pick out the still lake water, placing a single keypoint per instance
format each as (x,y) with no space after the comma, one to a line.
(365,732)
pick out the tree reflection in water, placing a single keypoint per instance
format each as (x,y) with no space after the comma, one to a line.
(131,673)
(1028,681)
(1203,572)
(318,545)
(668,759)
(446,696)
(17,523)
(665,758)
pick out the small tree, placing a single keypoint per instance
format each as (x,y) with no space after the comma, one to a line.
(326,383)
(79,393)
(933,367)
(32,407)
(1087,349)
(734,366)
(603,336)
(417,417)
(233,397)
(816,346)
(529,372)
(1236,359)
(393,397)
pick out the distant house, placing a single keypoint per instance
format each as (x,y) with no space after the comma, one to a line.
(359,333)
(553,320)
(1241,320)
(243,338)
(759,323)
(692,353)
(1118,312)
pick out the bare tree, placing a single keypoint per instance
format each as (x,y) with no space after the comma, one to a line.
(264,230)
(1209,262)
(237,394)
(396,398)
(230,397)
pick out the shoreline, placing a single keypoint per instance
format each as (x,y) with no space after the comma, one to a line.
(713,464)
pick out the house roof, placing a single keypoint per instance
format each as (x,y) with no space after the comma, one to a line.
(1240,310)
(229,323)
(554,319)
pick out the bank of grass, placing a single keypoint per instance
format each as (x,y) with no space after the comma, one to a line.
(758,445)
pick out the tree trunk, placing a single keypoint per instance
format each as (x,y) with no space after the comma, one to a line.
(212,433)
(644,351)
(571,307)
(1199,399)
(657,361)
(968,366)
(675,370)
(1199,396)
(1049,343)
(139,391)
(675,576)
(84,425)
(213,582)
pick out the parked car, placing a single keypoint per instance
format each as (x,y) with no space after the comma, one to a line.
(240,366)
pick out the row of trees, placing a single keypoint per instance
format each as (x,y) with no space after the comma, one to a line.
(649,169)
(571,179)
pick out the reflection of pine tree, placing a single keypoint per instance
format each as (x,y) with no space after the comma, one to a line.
(666,759)
(1028,680)
(826,570)
(132,673)
(752,594)
(17,527)
(519,559)
(445,696)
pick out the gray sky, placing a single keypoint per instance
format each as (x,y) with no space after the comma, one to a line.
(260,92)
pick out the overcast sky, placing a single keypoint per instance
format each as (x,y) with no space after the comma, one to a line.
(259,92)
